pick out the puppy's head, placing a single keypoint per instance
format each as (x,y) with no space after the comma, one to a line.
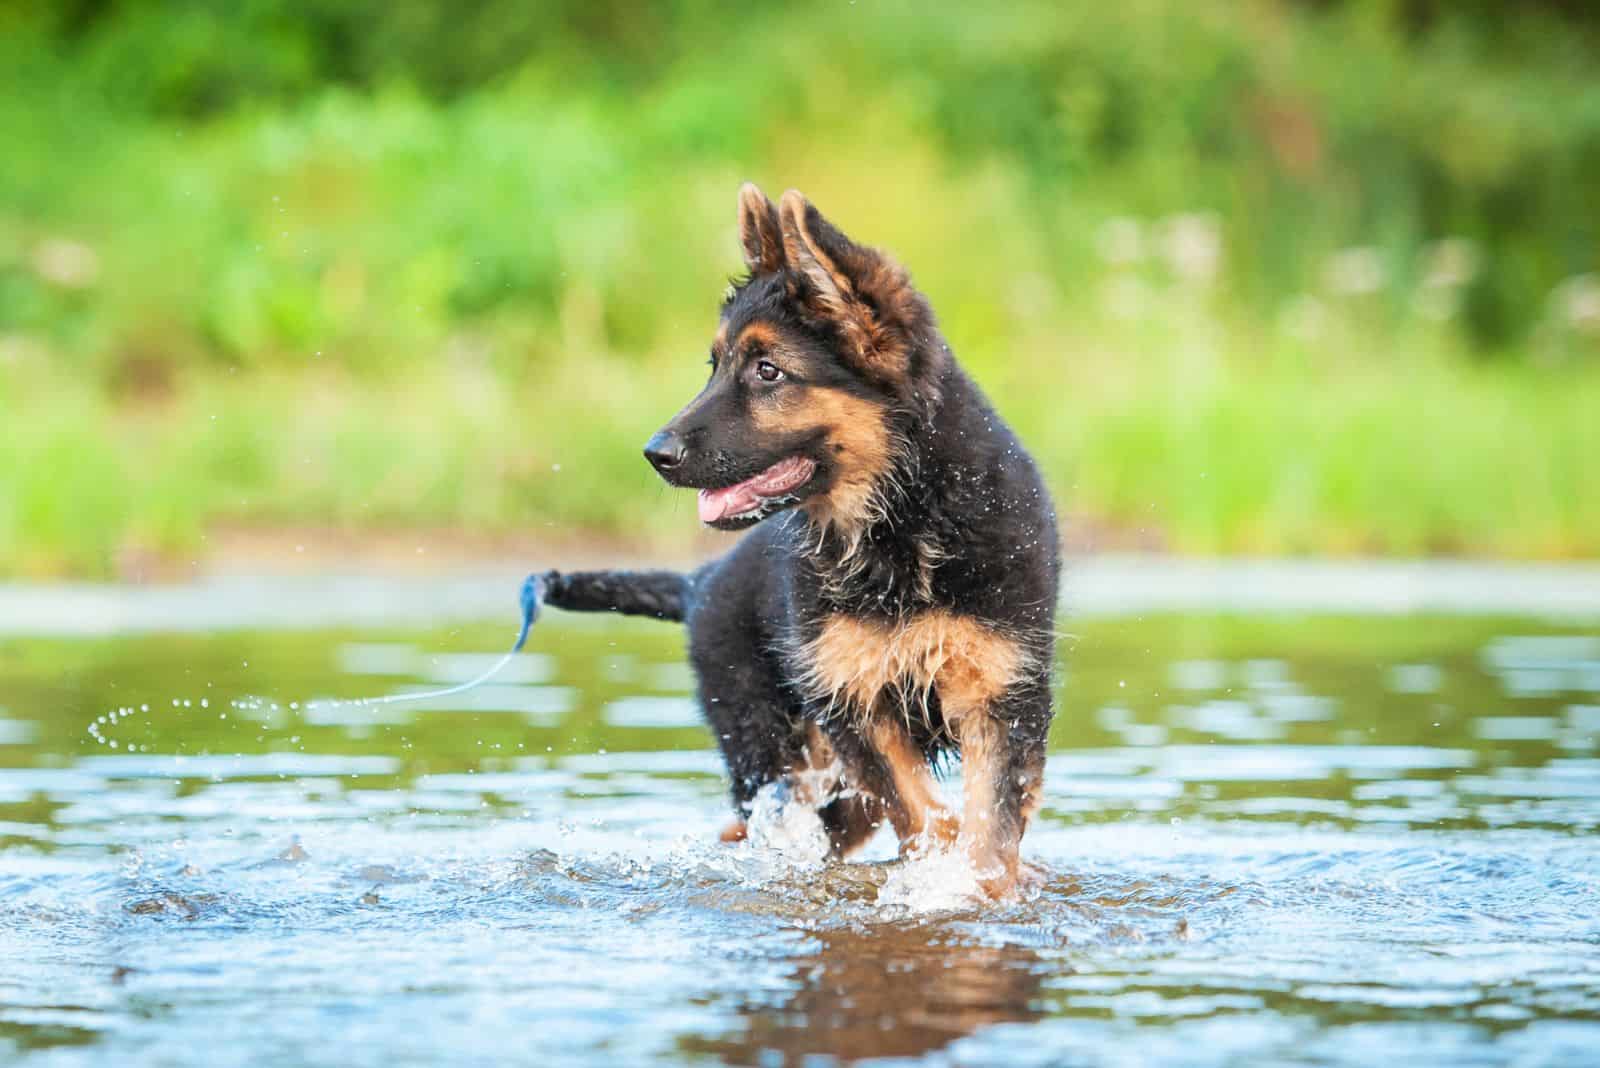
(822,350)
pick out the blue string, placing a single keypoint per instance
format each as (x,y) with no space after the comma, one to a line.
(532,597)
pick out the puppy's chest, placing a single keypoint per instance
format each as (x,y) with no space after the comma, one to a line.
(861,664)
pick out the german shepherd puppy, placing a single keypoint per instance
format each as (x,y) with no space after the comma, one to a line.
(896,601)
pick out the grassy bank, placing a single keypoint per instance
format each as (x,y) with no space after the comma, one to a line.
(1491,461)
(1248,278)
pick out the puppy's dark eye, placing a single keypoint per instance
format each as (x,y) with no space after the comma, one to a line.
(768,372)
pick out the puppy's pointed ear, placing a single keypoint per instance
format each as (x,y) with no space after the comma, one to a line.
(759,232)
(818,251)
(863,292)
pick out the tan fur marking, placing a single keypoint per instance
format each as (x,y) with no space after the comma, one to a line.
(857,663)
(858,440)
(762,333)
(992,850)
(919,816)
(818,781)
(853,661)
(992,843)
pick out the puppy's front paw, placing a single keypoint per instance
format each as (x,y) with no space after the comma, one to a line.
(995,870)
(938,834)
(997,883)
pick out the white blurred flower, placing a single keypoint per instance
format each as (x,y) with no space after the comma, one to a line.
(1449,263)
(1192,245)
(1125,297)
(1303,318)
(1120,241)
(1355,271)
(1577,302)
(1032,295)
(1436,302)
(69,264)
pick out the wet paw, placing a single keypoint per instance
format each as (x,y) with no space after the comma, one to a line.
(997,883)
(938,835)
(997,873)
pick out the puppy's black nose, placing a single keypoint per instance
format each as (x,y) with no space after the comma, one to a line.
(665,451)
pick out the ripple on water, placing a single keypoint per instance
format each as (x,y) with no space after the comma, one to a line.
(1342,856)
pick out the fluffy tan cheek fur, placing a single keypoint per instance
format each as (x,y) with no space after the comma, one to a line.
(857,438)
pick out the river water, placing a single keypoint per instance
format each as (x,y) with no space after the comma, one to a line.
(1275,839)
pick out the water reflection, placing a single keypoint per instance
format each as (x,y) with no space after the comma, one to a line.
(896,990)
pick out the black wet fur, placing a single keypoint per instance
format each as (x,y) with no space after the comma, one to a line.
(661,595)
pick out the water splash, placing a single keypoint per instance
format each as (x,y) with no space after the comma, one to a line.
(942,880)
(780,823)
(530,598)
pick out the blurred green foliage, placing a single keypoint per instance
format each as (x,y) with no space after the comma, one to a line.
(1206,254)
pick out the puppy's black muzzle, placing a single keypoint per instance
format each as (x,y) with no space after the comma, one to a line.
(665,451)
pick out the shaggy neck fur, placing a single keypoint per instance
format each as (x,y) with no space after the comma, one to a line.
(886,565)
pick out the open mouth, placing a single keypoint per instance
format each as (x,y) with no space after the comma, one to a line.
(754,495)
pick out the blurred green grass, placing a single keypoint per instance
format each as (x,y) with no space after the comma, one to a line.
(1262,277)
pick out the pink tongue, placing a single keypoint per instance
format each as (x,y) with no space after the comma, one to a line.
(714,504)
